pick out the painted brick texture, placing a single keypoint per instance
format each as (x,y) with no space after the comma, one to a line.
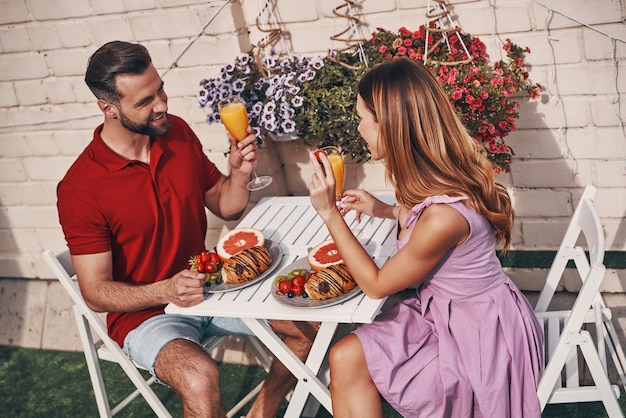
(570,137)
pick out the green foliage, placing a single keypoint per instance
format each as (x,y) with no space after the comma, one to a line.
(329,112)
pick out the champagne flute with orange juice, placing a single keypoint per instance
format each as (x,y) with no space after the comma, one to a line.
(339,169)
(235,118)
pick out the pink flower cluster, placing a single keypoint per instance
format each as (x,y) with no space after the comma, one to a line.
(484,95)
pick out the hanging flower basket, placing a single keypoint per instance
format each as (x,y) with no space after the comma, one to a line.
(314,98)
(486,96)
(269,86)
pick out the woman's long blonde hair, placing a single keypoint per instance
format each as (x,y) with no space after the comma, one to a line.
(428,150)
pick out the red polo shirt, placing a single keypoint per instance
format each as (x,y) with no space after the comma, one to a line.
(151,217)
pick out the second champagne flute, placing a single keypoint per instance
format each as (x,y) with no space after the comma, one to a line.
(339,169)
(235,118)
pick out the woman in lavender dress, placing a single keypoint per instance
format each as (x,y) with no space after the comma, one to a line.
(468,343)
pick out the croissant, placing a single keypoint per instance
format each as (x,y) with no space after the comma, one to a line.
(246,265)
(330,282)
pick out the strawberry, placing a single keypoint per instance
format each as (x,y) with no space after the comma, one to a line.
(297,290)
(298,281)
(205,262)
(285,286)
(210,267)
(214,258)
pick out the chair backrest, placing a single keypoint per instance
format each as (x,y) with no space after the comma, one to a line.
(63,269)
(585,221)
(61,265)
(591,226)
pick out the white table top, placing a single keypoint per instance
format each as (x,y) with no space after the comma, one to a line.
(294,225)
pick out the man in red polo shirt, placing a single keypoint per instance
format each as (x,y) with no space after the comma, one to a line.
(132,208)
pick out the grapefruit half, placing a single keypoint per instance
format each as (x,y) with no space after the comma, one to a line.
(237,240)
(323,255)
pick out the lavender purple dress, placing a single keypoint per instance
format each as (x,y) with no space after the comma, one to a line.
(469,344)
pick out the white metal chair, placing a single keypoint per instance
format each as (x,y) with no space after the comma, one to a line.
(97,345)
(564,331)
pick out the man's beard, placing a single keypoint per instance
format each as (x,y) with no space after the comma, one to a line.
(146,128)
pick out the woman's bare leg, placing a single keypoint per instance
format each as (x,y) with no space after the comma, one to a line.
(352,390)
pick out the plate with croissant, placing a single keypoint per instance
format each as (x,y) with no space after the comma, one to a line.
(327,287)
(248,267)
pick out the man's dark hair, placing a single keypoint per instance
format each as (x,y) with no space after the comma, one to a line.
(108,61)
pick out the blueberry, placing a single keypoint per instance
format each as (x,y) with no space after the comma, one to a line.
(305,295)
(290,294)
(218,280)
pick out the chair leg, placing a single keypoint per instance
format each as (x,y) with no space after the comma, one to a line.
(615,348)
(143,387)
(93,365)
(552,373)
(233,411)
(124,403)
(600,379)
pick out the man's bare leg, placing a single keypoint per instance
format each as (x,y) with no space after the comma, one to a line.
(298,336)
(194,376)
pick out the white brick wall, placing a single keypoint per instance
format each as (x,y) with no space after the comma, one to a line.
(47,114)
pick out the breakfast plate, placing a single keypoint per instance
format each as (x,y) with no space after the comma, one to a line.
(276,254)
(299,301)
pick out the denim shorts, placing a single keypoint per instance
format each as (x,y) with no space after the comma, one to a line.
(142,345)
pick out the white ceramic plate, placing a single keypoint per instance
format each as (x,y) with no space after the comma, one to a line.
(299,301)
(276,254)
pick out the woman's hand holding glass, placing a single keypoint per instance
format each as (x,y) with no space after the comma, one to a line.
(337,166)
(322,188)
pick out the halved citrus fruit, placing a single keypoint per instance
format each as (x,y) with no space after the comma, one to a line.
(237,240)
(323,255)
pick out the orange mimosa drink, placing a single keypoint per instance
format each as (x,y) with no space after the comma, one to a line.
(339,169)
(235,118)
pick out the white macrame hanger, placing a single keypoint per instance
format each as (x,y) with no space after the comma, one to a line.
(437,11)
(267,23)
(354,31)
